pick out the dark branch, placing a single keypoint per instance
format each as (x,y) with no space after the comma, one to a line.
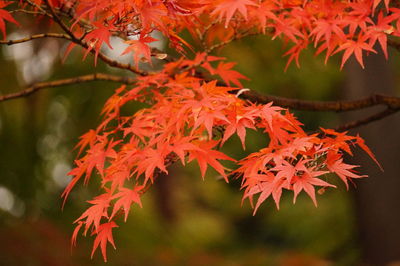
(391,102)
(63,82)
(367,120)
(37,36)
(85,45)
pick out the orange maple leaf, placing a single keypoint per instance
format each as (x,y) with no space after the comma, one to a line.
(140,49)
(227,8)
(103,236)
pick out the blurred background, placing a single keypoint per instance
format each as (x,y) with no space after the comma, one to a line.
(185,220)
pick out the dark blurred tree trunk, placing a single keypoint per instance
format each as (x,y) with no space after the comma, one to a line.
(164,196)
(377,198)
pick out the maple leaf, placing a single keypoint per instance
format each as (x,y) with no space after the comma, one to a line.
(97,155)
(294,53)
(286,171)
(184,109)
(266,189)
(87,139)
(207,118)
(95,39)
(356,48)
(281,27)
(220,33)
(265,12)
(341,140)
(307,182)
(377,2)
(239,123)
(224,70)
(336,165)
(5,16)
(126,198)
(152,13)
(304,178)
(269,113)
(95,213)
(77,173)
(204,60)
(182,146)
(174,7)
(75,233)
(361,143)
(103,236)
(150,159)
(227,8)
(140,48)
(325,28)
(380,31)
(68,50)
(207,156)
(113,105)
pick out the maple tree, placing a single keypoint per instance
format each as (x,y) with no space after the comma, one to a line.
(196,101)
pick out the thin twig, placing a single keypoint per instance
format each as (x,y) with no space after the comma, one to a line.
(85,45)
(58,20)
(391,102)
(234,38)
(36,6)
(63,82)
(26,12)
(367,120)
(37,36)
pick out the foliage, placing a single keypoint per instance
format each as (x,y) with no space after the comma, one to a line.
(194,104)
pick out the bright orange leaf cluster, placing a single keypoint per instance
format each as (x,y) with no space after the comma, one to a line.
(190,114)
(187,120)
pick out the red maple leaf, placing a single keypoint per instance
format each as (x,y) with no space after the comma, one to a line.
(5,16)
(325,28)
(87,139)
(75,233)
(103,236)
(140,49)
(126,198)
(377,2)
(151,159)
(228,75)
(227,8)
(345,171)
(95,213)
(306,182)
(239,123)
(95,39)
(207,156)
(304,178)
(272,187)
(355,47)
(361,143)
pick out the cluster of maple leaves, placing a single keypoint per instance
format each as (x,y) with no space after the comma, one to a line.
(190,115)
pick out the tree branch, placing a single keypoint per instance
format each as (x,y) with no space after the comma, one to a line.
(234,38)
(367,120)
(63,82)
(392,102)
(85,45)
(37,36)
